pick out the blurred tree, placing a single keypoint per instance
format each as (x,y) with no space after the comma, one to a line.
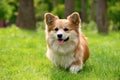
(78,6)
(59,10)
(14,5)
(55,3)
(93,10)
(26,15)
(83,11)
(101,16)
(41,7)
(50,4)
(69,7)
(114,14)
(5,10)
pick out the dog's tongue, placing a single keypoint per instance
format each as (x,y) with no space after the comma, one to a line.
(60,41)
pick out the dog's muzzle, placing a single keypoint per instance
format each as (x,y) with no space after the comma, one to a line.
(61,41)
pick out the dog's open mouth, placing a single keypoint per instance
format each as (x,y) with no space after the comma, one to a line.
(61,41)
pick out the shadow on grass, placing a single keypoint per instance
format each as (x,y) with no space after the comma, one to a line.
(62,74)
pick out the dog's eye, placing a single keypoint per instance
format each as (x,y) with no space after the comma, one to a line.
(66,29)
(56,29)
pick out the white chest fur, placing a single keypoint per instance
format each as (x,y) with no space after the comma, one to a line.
(61,60)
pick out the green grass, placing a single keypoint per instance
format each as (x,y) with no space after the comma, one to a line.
(22,57)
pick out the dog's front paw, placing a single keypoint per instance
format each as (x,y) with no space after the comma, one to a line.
(75,68)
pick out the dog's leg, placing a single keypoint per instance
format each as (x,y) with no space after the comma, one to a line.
(76,66)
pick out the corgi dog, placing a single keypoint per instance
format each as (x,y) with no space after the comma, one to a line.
(66,45)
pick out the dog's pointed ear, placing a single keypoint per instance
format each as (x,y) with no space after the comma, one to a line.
(49,18)
(74,18)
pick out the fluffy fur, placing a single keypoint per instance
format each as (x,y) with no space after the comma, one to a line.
(66,45)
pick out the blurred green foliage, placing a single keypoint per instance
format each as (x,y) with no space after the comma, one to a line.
(91,26)
(5,10)
(9,8)
(59,10)
(40,8)
(114,14)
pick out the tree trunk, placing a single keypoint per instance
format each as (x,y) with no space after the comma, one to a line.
(93,11)
(26,15)
(101,17)
(83,11)
(69,7)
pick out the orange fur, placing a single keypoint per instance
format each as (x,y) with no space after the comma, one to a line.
(75,50)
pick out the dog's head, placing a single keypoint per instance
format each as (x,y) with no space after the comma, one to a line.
(62,31)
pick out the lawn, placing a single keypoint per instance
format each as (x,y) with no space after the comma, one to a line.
(22,57)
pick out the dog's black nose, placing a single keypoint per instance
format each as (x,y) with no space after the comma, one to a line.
(59,35)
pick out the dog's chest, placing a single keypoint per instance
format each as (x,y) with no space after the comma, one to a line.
(61,60)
